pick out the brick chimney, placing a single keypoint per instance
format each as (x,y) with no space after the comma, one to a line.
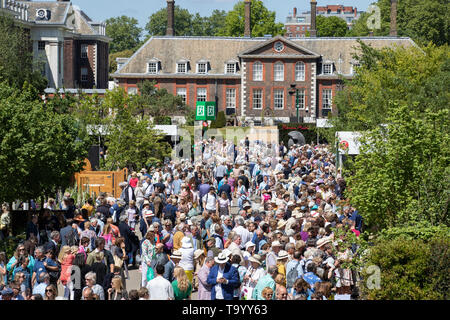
(170,18)
(295,12)
(313,31)
(248,18)
(393,31)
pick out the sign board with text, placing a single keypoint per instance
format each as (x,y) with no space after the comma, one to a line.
(205,110)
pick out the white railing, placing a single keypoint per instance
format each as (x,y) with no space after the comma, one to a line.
(20,10)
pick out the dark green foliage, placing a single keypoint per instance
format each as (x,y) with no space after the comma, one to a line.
(220,121)
(16,58)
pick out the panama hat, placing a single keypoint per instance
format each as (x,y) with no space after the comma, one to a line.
(221,258)
(198,253)
(175,255)
(282,255)
(281,224)
(276,243)
(148,213)
(255,258)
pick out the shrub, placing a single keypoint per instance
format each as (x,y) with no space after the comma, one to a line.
(411,269)
(220,121)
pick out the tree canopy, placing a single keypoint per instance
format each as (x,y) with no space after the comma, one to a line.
(16,58)
(399,100)
(262,21)
(183,24)
(331,27)
(125,33)
(423,21)
(40,149)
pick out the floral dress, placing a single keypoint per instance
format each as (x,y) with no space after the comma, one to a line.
(148,251)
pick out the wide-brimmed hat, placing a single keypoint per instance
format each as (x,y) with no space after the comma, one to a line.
(182,217)
(148,213)
(281,224)
(146,202)
(246,205)
(176,254)
(255,258)
(198,253)
(221,258)
(186,243)
(323,241)
(227,252)
(282,255)
(276,243)
(249,244)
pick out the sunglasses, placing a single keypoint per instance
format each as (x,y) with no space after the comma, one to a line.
(49,290)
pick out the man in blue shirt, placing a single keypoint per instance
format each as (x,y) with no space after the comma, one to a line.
(310,275)
(202,190)
(39,266)
(177,182)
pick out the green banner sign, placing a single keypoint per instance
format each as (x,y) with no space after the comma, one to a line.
(206,110)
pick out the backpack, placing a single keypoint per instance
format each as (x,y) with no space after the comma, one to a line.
(71,239)
(292,276)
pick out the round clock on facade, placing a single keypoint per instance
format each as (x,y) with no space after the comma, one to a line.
(279,46)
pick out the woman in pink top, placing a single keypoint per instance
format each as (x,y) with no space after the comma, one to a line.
(66,257)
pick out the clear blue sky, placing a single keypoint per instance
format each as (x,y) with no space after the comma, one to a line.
(100,10)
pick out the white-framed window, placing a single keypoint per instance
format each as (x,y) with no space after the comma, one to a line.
(300,71)
(84,51)
(201,94)
(278,99)
(278,71)
(202,68)
(258,71)
(182,92)
(327,99)
(231,98)
(257,99)
(327,68)
(132,90)
(152,67)
(301,99)
(230,68)
(41,45)
(84,74)
(182,67)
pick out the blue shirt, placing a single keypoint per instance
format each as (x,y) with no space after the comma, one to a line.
(177,186)
(311,278)
(39,268)
(291,265)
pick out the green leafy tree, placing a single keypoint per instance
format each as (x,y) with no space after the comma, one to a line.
(399,100)
(125,32)
(131,141)
(114,56)
(214,23)
(157,25)
(16,59)
(40,149)
(392,75)
(331,27)
(423,21)
(262,21)
(156,102)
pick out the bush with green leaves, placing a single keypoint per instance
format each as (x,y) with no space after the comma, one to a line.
(411,269)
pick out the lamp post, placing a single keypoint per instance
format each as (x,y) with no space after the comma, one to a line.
(296,91)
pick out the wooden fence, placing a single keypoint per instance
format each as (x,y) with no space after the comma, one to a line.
(94,182)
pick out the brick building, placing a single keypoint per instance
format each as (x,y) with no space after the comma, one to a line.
(69,49)
(249,77)
(298,24)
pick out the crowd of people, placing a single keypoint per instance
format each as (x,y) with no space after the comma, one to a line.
(241,223)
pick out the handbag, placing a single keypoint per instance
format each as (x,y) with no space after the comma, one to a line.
(150,273)
(118,262)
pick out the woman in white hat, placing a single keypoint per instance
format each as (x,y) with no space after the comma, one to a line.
(254,272)
(187,257)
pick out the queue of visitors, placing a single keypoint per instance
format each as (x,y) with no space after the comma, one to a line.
(239,224)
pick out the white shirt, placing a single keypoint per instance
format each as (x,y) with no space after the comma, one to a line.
(219,293)
(246,235)
(160,289)
(210,201)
